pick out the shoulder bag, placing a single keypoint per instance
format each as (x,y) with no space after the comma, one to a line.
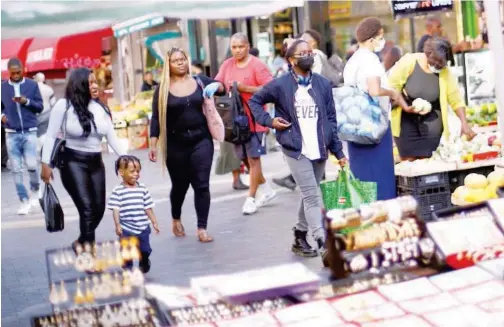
(57,157)
(214,120)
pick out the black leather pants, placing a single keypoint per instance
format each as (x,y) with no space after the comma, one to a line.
(83,177)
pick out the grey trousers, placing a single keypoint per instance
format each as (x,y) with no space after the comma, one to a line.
(308,175)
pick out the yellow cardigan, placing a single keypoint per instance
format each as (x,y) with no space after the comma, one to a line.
(449,93)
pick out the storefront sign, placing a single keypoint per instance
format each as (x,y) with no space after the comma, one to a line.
(411,7)
(340,9)
(137,25)
(4,64)
(40,55)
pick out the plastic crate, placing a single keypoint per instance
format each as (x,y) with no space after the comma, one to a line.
(457,177)
(431,180)
(429,199)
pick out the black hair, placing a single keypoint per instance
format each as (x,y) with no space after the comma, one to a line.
(254,52)
(438,51)
(314,35)
(78,95)
(292,49)
(123,162)
(14,62)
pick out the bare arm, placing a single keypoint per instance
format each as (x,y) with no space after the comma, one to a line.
(376,90)
(115,214)
(152,218)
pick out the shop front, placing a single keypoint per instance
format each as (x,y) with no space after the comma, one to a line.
(56,57)
(14,48)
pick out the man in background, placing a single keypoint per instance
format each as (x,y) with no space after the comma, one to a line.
(434,28)
(21,103)
(49,100)
(149,83)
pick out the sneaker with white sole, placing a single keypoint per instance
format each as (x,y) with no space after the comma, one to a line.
(25,208)
(34,200)
(265,193)
(250,206)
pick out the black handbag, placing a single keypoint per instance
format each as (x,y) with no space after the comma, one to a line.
(236,123)
(57,155)
(54,217)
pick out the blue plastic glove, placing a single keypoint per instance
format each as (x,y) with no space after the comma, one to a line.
(210,89)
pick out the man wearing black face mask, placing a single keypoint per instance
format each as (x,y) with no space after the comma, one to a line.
(305,120)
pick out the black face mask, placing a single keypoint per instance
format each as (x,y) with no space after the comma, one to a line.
(305,63)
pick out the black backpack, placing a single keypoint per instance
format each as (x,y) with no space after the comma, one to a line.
(236,123)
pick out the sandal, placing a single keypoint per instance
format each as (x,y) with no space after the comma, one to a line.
(203,236)
(178,228)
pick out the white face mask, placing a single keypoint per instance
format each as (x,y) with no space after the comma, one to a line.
(380,46)
(434,69)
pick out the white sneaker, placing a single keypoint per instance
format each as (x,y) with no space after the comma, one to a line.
(25,208)
(249,207)
(34,200)
(265,194)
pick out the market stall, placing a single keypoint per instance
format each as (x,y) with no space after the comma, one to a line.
(387,268)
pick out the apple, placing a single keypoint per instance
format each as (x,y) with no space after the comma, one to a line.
(492,108)
(484,108)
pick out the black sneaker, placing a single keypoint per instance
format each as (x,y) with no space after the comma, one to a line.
(145,266)
(323,252)
(301,247)
(287,182)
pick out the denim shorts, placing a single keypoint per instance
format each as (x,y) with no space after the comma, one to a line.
(254,148)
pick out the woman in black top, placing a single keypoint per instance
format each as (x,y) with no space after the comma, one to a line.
(180,129)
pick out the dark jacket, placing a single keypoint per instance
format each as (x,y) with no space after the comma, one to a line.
(281,92)
(26,118)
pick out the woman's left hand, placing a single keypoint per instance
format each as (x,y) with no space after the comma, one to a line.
(468,131)
(210,89)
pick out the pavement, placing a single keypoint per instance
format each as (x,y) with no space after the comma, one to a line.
(241,242)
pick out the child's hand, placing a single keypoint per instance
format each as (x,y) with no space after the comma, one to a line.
(156,227)
(118,230)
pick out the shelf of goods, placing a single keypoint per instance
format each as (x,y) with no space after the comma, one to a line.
(131,122)
(433,181)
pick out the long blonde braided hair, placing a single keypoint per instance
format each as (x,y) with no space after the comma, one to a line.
(164,90)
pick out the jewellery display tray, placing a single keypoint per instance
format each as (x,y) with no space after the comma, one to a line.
(339,257)
(71,288)
(212,313)
(156,320)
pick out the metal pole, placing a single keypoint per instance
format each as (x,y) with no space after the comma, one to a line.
(412,34)
(121,71)
(496,45)
(212,42)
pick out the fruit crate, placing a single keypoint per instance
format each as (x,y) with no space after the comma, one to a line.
(433,195)
(457,177)
(431,180)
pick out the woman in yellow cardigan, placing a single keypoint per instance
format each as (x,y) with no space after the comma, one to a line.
(425,76)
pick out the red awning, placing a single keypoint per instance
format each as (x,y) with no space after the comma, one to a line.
(56,55)
(14,48)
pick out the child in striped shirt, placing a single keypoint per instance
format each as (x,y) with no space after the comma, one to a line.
(131,204)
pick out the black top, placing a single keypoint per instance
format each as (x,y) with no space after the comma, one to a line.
(148,87)
(184,115)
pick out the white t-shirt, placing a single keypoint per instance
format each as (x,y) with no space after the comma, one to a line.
(307,115)
(362,65)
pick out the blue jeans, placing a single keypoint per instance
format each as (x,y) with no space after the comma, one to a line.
(143,238)
(22,148)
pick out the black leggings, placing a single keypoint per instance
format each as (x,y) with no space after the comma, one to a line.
(190,164)
(83,177)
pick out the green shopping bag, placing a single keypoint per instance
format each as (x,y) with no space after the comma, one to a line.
(347,191)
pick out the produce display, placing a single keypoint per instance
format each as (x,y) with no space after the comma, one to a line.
(456,149)
(139,107)
(478,188)
(483,114)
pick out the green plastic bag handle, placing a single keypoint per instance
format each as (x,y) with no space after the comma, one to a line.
(347,177)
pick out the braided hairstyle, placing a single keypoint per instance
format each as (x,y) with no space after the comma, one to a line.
(123,162)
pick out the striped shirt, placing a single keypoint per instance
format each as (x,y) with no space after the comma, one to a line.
(132,202)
